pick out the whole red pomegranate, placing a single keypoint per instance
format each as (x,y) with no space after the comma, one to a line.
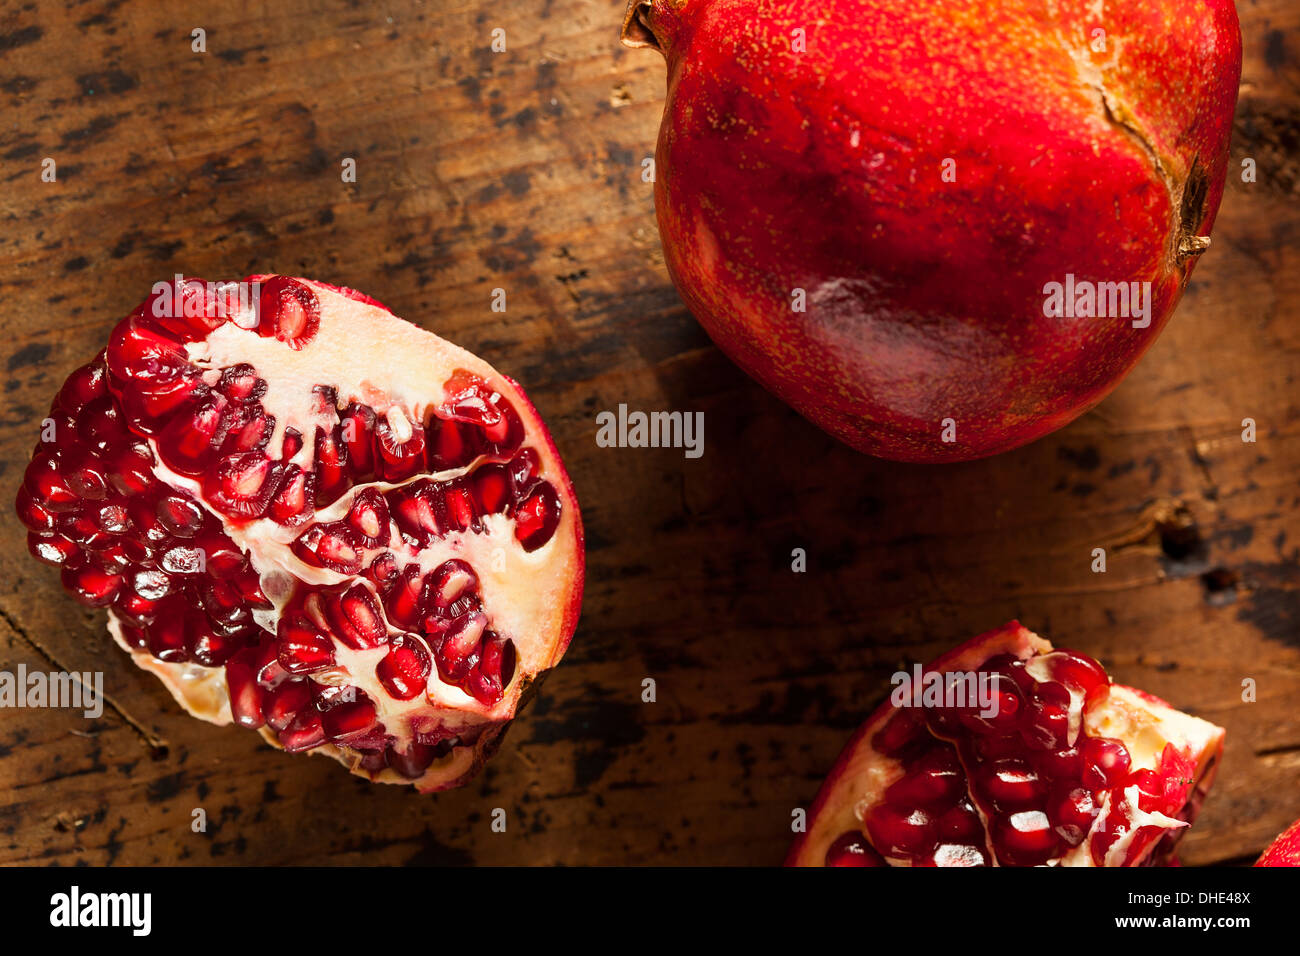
(1058,766)
(310,517)
(938,230)
(1285,850)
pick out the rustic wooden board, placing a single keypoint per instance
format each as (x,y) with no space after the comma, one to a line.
(521,170)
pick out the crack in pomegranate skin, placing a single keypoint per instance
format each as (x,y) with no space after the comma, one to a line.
(1050,777)
(175,488)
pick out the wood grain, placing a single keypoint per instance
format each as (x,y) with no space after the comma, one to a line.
(521,171)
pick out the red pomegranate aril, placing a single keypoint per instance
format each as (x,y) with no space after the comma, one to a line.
(31,514)
(960,824)
(152,584)
(1105,763)
(357,620)
(356,428)
(131,471)
(852,849)
(166,638)
(1077,670)
(537,517)
(211,648)
(900,832)
(332,474)
(404,672)
(453,444)
(456,651)
(901,733)
(1024,839)
(1046,725)
(304,733)
(404,602)
(146,357)
(459,505)
(92,586)
(1011,785)
(368,516)
(420,512)
(449,582)
(413,761)
(496,667)
(241,486)
(492,489)
(85,385)
(284,703)
(289,311)
(302,648)
(246,428)
(290,443)
(181,517)
(932,784)
(48,487)
(241,686)
(189,444)
(113,519)
(241,383)
(1072,814)
(334,546)
(349,720)
(400,446)
(383,571)
(292,504)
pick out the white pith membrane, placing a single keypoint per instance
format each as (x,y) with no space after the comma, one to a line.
(1145,725)
(370,356)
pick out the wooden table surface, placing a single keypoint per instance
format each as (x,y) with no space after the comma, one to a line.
(521,170)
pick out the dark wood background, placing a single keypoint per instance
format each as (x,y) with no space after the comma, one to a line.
(521,170)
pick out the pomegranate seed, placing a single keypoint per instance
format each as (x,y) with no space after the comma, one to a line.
(400,446)
(305,733)
(948,854)
(453,444)
(33,515)
(420,512)
(289,311)
(349,721)
(241,685)
(189,443)
(182,517)
(48,488)
(292,504)
(100,426)
(303,649)
(413,762)
(113,519)
(246,428)
(242,485)
(356,428)
(332,475)
(1009,784)
(211,648)
(1072,814)
(488,681)
(901,732)
(456,651)
(85,385)
(334,546)
(932,783)
(852,849)
(1105,763)
(131,471)
(961,824)
(449,582)
(147,357)
(1077,670)
(383,570)
(151,584)
(405,601)
(492,490)
(900,832)
(1024,839)
(368,516)
(241,383)
(285,702)
(290,443)
(92,586)
(166,638)
(404,671)
(459,505)
(1059,764)
(1008,707)
(357,620)
(537,517)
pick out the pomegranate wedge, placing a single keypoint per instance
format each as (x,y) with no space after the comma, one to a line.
(1018,755)
(311,518)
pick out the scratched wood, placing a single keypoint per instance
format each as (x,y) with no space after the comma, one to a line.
(521,170)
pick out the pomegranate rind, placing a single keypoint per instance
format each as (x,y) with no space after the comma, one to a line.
(1285,850)
(1147,724)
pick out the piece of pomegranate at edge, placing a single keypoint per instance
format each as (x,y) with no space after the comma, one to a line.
(864,201)
(1285,850)
(1069,769)
(314,519)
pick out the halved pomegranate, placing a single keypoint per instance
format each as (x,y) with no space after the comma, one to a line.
(312,518)
(1285,850)
(1063,768)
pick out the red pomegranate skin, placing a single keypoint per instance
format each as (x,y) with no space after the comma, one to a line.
(823,171)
